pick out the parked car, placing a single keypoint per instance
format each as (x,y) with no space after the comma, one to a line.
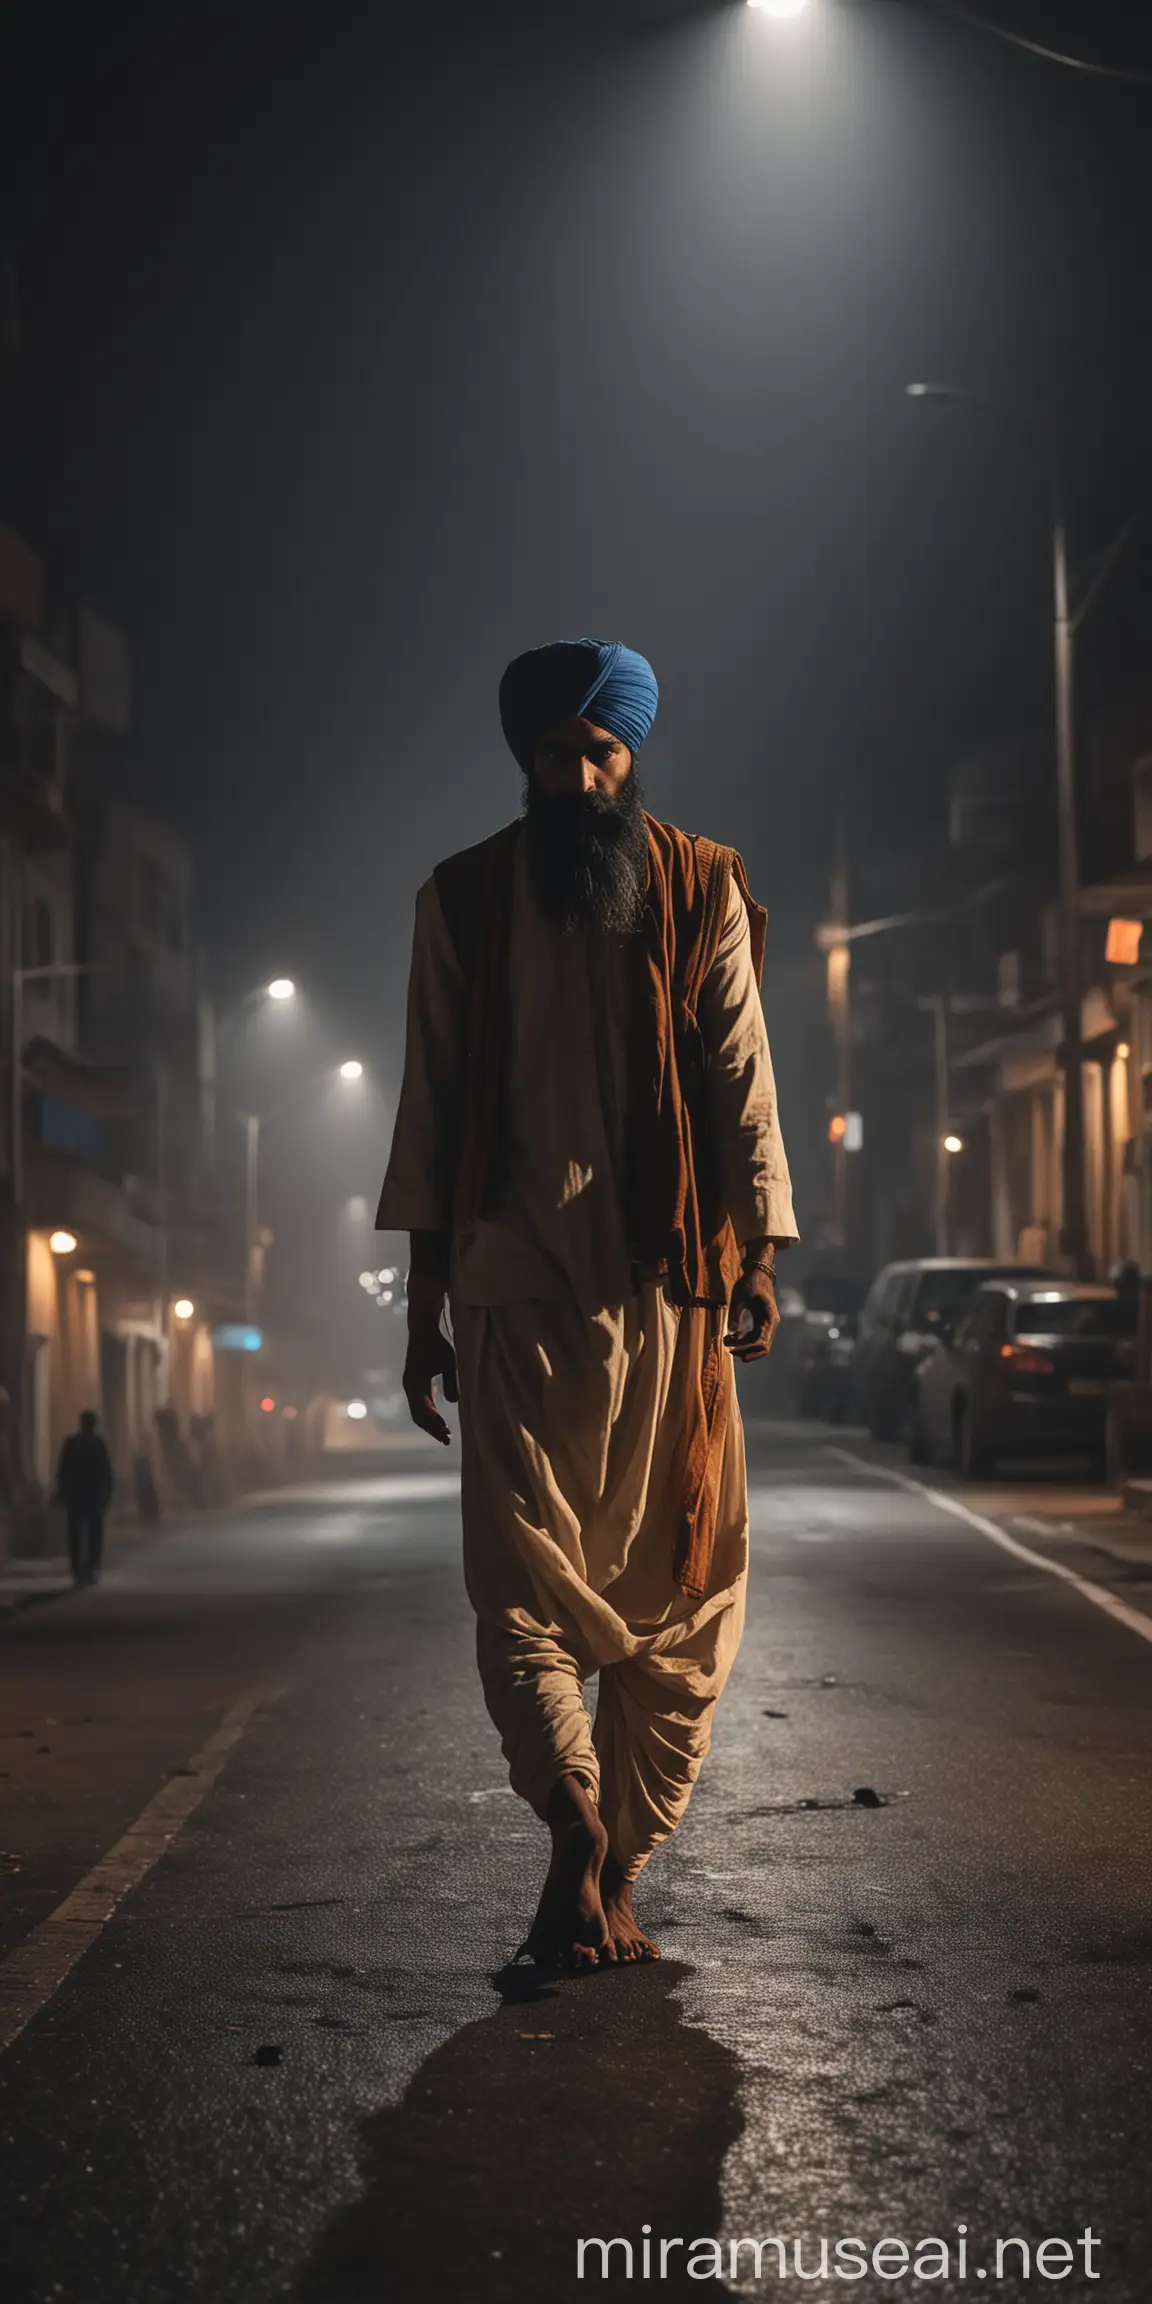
(822,1345)
(1025,1373)
(908,1307)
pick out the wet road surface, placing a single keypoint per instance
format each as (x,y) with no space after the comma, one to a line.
(293,2063)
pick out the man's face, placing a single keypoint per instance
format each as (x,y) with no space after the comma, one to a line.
(578,757)
(587,831)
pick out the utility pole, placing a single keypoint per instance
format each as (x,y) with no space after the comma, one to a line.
(251,1212)
(1075,1219)
(1066,623)
(937,1004)
(839,970)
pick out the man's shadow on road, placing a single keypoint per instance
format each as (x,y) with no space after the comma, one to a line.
(581,2108)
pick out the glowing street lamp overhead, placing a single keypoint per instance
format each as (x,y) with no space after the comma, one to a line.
(357,1410)
(62,1243)
(352,1070)
(953,1143)
(184,1308)
(281,988)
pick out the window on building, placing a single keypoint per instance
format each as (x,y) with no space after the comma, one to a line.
(1142,809)
(1008,979)
(38,938)
(139,978)
(151,886)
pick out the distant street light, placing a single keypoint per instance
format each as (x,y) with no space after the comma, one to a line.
(281,988)
(184,1308)
(357,1410)
(953,1143)
(254,1125)
(62,1243)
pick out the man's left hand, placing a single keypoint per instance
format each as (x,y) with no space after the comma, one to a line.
(753,1316)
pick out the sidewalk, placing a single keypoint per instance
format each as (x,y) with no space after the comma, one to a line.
(48,1577)
(1095,1520)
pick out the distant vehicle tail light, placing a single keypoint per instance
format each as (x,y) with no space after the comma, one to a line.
(1025,1360)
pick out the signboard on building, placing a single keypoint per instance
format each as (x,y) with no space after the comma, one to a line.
(237,1336)
(21,580)
(105,672)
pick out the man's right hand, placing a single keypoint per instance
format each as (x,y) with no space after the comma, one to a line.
(430,1355)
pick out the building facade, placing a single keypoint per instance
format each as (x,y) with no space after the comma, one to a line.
(113,1258)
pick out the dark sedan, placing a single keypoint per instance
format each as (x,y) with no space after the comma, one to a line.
(822,1346)
(1026,1373)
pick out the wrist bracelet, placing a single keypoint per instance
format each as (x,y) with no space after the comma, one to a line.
(768,1270)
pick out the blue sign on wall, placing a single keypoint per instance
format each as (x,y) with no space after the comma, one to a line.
(236,1336)
(67,1128)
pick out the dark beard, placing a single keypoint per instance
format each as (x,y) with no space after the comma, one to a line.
(588,856)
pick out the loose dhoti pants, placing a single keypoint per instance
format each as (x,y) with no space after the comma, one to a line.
(569,1426)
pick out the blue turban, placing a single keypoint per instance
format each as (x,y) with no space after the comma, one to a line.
(597,680)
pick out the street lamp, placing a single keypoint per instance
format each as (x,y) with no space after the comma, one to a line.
(62,1243)
(1067,830)
(953,1143)
(281,988)
(254,1124)
(184,1308)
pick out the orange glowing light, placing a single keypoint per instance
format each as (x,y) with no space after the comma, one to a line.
(267,1406)
(1122,949)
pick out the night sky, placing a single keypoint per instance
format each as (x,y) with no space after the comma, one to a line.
(364,350)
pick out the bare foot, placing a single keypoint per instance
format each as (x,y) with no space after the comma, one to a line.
(628,1937)
(570,1930)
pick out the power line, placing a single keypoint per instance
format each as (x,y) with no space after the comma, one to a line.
(965,15)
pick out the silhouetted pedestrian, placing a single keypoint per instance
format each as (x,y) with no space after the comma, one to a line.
(84,1484)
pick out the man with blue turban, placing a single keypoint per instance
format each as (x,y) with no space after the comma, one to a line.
(588,1160)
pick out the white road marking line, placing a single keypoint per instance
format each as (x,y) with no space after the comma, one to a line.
(35,1969)
(1119,1610)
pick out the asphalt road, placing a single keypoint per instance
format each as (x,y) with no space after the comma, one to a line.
(293,2063)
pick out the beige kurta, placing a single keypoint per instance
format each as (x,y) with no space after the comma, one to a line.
(572,1382)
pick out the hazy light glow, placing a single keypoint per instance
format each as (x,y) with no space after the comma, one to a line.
(184,1308)
(267,1405)
(953,1143)
(352,1069)
(779,7)
(281,988)
(357,1410)
(1123,1051)
(62,1243)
